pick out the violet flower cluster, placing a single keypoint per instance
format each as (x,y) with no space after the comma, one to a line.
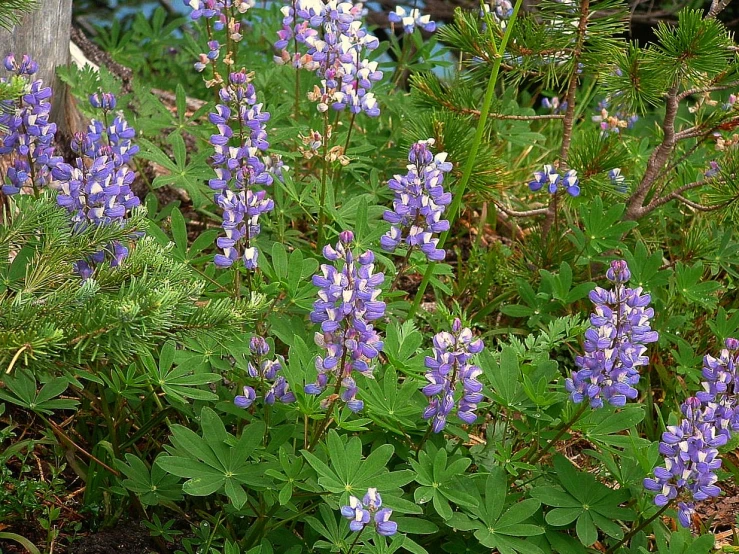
(691,448)
(360,513)
(411,19)
(419,203)
(30,135)
(613,123)
(713,169)
(218,15)
(335,44)
(555,181)
(615,344)
(554,105)
(241,171)
(449,367)
(348,302)
(500,10)
(266,372)
(96,188)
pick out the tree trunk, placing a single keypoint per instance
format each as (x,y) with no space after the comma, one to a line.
(44,35)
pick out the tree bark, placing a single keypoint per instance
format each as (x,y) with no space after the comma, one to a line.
(44,35)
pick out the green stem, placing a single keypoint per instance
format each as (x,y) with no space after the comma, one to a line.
(400,270)
(561,432)
(641,526)
(424,439)
(356,540)
(469,166)
(324,174)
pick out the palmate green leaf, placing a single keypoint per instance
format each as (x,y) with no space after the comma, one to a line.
(646,268)
(151,487)
(217,460)
(440,482)
(390,406)
(586,501)
(496,527)
(21,391)
(689,285)
(606,427)
(180,383)
(503,374)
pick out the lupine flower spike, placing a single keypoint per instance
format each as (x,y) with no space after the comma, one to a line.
(241,172)
(361,512)
(218,15)
(691,448)
(615,343)
(450,366)
(334,44)
(266,372)
(29,134)
(348,301)
(96,189)
(419,203)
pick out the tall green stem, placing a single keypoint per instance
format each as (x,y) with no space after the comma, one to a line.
(641,526)
(469,166)
(324,175)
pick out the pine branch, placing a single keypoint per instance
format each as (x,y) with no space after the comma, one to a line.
(12,11)
(712,88)
(676,194)
(635,204)
(717,6)
(521,214)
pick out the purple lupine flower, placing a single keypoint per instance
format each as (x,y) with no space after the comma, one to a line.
(411,19)
(554,105)
(217,12)
(26,67)
(29,136)
(500,10)
(548,176)
(356,514)
(96,189)
(103,100)
(329,38)
(265,371)
(691,448)
(713,169)
(450,366)
(615,344)
(691,460)
(240,170)
(613,123)
(348,302)
(247,399)
(721,388)
(570,183)
(359,513)
(618,180)
(419,203)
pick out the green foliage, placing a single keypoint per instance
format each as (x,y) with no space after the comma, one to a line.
(131,374)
